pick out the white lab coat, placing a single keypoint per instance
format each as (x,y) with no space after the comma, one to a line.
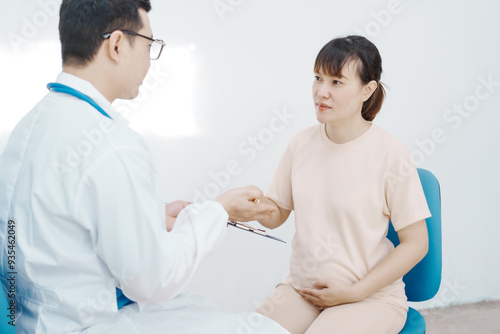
(82,192)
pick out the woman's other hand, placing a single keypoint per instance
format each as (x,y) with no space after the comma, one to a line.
(325,294)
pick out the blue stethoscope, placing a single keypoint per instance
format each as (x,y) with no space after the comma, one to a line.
(60,88)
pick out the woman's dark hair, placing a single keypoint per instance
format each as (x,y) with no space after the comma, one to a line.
(340,51)
(82,23)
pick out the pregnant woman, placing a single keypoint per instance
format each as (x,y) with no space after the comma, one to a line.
(346,178)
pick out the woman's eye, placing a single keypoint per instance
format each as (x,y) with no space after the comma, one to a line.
(336,82)
(317,78)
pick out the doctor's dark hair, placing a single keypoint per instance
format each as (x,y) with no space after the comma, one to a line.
(341,51)
(82,23)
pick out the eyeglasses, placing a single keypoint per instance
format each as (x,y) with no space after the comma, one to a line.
(155,48)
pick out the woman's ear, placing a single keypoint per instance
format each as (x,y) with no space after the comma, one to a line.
(368,89)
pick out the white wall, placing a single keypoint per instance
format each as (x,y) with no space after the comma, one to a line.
(225,76)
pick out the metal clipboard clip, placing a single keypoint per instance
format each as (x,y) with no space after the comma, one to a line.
(253,230)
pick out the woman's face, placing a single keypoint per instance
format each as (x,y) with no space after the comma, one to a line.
(340,99)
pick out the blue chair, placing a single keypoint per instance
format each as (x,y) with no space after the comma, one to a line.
(423,281)
(5,328)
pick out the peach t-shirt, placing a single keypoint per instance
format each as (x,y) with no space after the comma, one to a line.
(343,196)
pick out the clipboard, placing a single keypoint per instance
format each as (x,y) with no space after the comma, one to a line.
(253,230)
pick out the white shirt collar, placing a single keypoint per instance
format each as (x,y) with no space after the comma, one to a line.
(88,89)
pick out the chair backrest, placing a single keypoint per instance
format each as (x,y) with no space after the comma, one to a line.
(423,281)
(5,328)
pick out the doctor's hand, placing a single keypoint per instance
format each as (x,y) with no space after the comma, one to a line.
(172,210)
(242,204)
(325,294)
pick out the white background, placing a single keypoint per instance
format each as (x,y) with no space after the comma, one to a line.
(227,73)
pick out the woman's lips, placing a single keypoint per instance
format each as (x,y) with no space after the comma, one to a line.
(323,107)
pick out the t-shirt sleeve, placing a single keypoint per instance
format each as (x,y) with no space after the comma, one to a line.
(405,198)
(280,189)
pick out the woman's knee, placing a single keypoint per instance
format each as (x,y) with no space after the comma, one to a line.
(289,309)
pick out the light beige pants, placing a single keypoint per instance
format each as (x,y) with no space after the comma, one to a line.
(370,316)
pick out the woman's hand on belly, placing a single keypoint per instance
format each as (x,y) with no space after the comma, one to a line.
(330,293)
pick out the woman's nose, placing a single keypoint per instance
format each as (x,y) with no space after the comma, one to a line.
(322,91)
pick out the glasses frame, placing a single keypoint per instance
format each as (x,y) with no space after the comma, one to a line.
(128,32)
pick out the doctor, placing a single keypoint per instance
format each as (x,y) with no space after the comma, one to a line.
(79,190)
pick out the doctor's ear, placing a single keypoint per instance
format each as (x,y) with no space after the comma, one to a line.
(114,45)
